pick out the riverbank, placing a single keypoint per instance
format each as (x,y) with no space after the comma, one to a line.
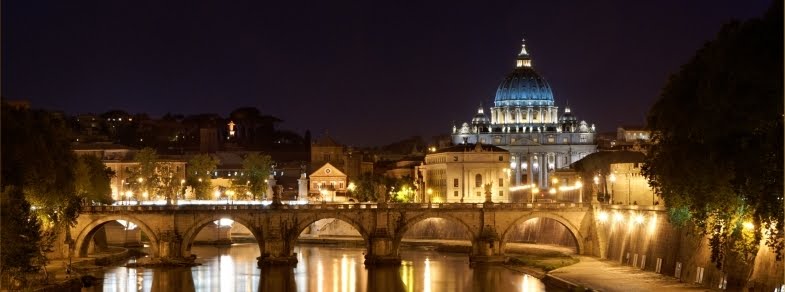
(81,273)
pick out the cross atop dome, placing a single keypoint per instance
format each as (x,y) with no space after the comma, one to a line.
(524,60)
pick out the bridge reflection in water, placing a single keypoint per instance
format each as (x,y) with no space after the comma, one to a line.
(319,268)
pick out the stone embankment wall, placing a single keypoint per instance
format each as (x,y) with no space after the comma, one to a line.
(644,238)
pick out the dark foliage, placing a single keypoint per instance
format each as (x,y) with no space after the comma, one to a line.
(718,131)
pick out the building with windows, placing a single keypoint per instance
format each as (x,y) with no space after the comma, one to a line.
(460,173)
(120,160)
(328,184)
(525,121)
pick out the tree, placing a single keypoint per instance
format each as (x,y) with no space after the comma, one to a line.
(718,129)
(256,169)
(404,189)
(92,179)
(20,233)
(366,188)
(145,178)
(170,184)
(198,175)
(38,178)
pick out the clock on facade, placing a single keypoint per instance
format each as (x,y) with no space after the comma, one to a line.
(327,170)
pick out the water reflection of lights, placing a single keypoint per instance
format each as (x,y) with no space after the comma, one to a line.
(319,276)
(344,273)
(335,275)
(226,272)
(426,281)
(529,285)
(407,275)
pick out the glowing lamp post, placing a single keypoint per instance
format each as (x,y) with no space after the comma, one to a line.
(535,191)
(229,196)
(612,177)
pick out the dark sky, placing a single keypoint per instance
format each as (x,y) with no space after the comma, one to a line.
(370,72)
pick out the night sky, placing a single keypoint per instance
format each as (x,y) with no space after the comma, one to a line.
(370,72)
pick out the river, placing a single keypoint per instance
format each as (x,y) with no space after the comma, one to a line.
(319,268)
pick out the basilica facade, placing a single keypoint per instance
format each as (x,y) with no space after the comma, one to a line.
(525,121)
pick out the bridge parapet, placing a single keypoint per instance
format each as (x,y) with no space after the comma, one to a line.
(340,206)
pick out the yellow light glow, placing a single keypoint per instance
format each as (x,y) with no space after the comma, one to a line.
(618,217)
(427,275)
(555,180)
(596,180)
(613,177)
(535,191)
(430,191)
(579,184)
(552,191)
(519,188)
(639,219)
(603,216)
(128,194)
(748,225)
(351,187)
(140,180)
(217,193)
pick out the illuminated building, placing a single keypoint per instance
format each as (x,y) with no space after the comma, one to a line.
(525,120)
(460,173)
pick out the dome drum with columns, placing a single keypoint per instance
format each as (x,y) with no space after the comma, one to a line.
(525,120)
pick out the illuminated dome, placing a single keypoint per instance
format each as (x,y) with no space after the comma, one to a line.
(480,118)
(524,87)
(568,117)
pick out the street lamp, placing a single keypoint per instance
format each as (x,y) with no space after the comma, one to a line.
(613,180)
(128,195)
(535,191)
(229,195)
(182,188)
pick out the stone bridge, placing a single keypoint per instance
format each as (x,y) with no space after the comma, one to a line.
(171,229)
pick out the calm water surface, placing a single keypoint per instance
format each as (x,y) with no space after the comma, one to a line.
(321,269)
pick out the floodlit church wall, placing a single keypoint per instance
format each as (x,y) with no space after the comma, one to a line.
(631,187)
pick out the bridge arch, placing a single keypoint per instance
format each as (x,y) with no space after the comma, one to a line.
(409,223)
(82,242)
(191,232)
(303,224)
(563,221)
